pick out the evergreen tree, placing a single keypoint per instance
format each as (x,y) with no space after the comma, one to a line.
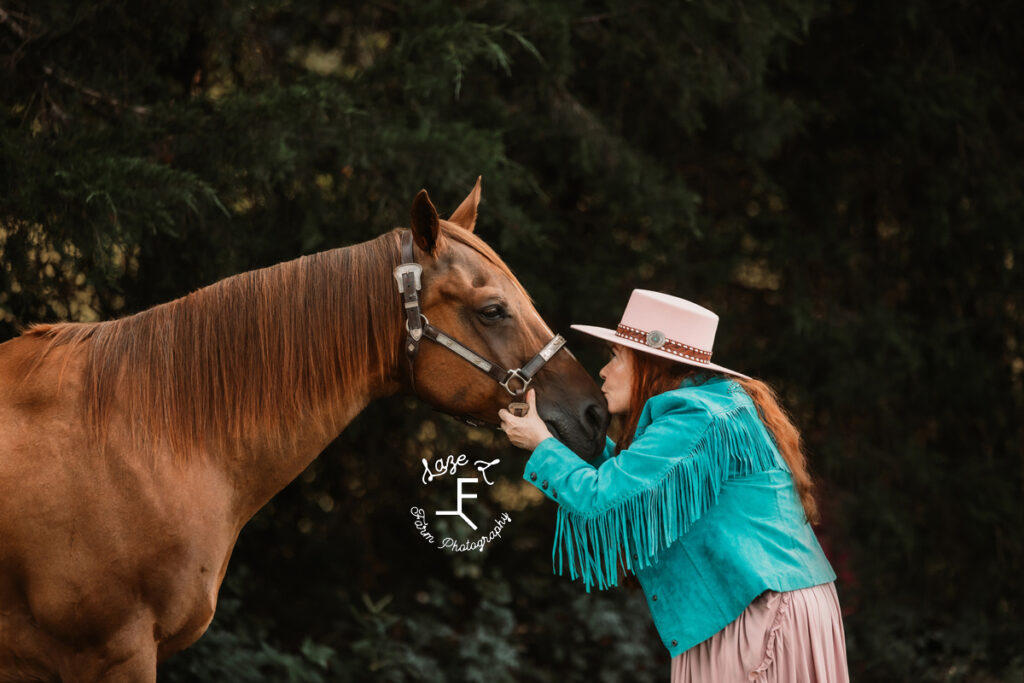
(840,181)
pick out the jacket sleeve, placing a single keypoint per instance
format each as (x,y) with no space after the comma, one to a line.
(609,451)
(634,505)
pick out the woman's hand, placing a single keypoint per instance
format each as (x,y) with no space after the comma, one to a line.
(528,431)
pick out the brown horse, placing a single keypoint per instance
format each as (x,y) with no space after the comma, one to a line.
(132,452)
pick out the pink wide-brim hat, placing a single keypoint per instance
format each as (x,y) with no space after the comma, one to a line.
(665,326)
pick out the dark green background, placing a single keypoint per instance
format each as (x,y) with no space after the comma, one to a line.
(840,181)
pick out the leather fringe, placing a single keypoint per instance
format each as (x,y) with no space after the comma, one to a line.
(634,530)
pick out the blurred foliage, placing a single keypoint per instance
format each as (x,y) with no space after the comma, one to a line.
(840,181)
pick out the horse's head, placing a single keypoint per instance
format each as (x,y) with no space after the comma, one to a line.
(472,296)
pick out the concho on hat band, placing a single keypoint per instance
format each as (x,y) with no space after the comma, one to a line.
(657,340)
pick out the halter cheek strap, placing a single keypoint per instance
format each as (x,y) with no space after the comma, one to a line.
(408,276)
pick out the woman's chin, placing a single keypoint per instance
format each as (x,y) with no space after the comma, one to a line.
(615,409)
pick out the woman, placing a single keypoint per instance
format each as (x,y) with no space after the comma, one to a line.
(706,499)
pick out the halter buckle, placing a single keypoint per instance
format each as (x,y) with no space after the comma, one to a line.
(519,409)
(414,268)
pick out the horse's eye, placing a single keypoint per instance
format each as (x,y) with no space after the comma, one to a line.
(492,313)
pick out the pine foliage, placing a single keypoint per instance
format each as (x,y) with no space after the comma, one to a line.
(841,182)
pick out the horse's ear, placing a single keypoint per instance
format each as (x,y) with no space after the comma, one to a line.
(426,228)
(465,215)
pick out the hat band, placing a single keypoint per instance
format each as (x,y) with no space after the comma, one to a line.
(657,340)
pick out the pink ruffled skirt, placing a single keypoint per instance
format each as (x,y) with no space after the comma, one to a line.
(794,637)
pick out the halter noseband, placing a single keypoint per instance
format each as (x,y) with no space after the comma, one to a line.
(408,275)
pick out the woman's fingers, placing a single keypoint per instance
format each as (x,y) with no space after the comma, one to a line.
(519,430)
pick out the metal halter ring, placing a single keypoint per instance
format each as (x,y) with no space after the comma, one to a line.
(513,374)
(422,317)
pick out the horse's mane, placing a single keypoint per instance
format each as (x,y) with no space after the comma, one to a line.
(252,354)
(255,353)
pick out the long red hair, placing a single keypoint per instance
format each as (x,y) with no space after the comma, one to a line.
(653,375)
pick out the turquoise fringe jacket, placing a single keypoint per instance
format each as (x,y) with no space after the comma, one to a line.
(701,507)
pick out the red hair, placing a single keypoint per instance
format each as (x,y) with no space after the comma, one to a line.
(653,375)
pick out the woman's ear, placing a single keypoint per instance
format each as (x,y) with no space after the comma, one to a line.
(426,228)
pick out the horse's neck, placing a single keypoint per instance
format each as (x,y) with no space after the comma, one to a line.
(255,374)
(337,357)
(262,466)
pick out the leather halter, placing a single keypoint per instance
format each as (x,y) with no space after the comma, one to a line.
(515,382)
